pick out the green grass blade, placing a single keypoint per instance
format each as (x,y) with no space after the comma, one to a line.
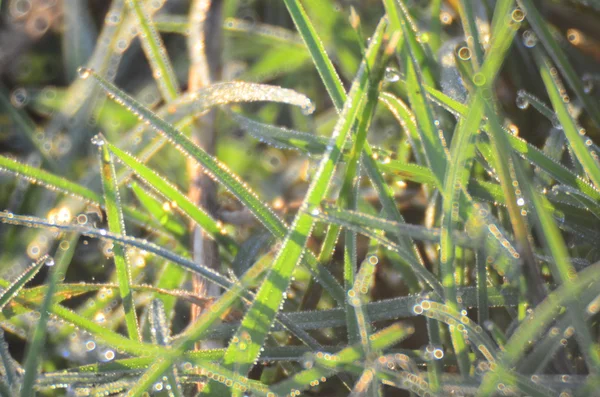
(246,345)
(324,368)
(456,178)
(176,198)
(411,55)
(467,16)
(155,51)
(221,173)
(116,225)
(63,256)
(11,291)
(560,58)
(537,322)
(322,62)
(157,209)
(282,138)
(54,182)
(573,133)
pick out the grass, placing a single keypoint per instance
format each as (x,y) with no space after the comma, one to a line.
(281,198)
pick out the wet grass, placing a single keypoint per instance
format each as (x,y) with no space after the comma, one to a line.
(278,198)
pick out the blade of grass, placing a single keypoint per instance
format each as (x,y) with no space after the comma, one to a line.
(338,96)
(155,51)
(54,182)
(573,133)
(222,174)
(64,254)
(11,291)
(560,58)
(246,345)
(411,54)
(116,225)
(536,323)
(179,200)
(458,171)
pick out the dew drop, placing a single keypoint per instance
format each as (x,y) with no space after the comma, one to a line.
(529,39)
(49,262)
(520,202)
(84,72)
(391,75)
(521,102)
(98,140)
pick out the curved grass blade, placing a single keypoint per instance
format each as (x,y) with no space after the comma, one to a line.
(129,241)
(222,174)
(407,120)
(188,107)
(116,225)
(176,198)
(282,138)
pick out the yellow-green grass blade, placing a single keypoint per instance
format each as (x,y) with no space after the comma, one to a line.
(159,210)
(319,55)
(176,198)
(458,171)
(116,225)
(221,173)
(410,53)
(325,365)
(155,51)
(574,134)
(54,182)
(246,344)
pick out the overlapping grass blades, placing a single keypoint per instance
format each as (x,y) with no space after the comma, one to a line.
(523,262)
(245,346)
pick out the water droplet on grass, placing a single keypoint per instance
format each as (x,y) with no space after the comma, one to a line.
(521,102)
(98,140)
(84,72)
(391,75)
